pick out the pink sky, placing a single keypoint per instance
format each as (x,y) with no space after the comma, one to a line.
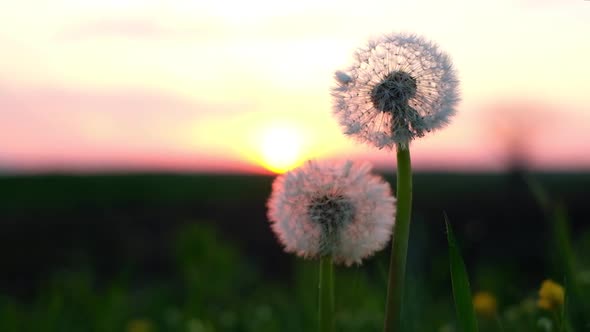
(183,85)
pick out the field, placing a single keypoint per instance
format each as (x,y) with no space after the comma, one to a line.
(178,252)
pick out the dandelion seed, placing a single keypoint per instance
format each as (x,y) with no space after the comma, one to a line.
(342,78)
(332,209)
(400,87)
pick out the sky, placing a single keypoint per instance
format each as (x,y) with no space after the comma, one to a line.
(244,86)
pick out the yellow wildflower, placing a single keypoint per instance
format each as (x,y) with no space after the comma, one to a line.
(140,325)
(485,304)
(551,295)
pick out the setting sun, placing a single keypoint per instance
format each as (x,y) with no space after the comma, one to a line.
(281,148)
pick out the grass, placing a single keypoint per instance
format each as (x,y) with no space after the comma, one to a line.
(194,253)
(460,281)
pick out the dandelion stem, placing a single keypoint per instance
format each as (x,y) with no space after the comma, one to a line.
(326,290)
(399,247)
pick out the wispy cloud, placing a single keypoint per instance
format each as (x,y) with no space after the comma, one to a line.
(142,28)
(126,28)
(56,124)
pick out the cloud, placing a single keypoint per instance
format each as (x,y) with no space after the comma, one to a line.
(137,28)
(140,28)
(49,124)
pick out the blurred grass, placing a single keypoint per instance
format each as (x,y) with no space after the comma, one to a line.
(60,192)
(460,283)
(65,191)
(577,304)
(194,253)
(217,290)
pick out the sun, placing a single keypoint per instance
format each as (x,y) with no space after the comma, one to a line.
(281,148)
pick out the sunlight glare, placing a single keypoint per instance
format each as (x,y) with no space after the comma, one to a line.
(281,148)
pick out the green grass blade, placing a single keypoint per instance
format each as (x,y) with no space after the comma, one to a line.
(461,292)
(326,296)
(565,258)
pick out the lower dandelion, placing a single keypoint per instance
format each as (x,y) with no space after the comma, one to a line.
(332,209)
(338,212)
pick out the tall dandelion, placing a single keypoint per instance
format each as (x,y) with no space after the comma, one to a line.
(338,212)
(399,88)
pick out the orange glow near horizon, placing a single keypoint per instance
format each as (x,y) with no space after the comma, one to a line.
(228,86)
(275,144)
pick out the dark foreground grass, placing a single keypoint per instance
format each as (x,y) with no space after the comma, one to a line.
(194,253)
(58,191)
(212,287)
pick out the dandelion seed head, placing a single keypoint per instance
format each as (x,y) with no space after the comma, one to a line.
(393,91)
(399,88)
(332,208)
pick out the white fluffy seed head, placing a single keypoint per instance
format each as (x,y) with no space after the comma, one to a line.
(399,88)
(332,208)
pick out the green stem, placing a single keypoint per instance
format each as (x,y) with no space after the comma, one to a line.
(326,288)
(399,247)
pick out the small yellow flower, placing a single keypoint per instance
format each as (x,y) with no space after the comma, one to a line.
(551,295)
(485,304)
(140,325)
